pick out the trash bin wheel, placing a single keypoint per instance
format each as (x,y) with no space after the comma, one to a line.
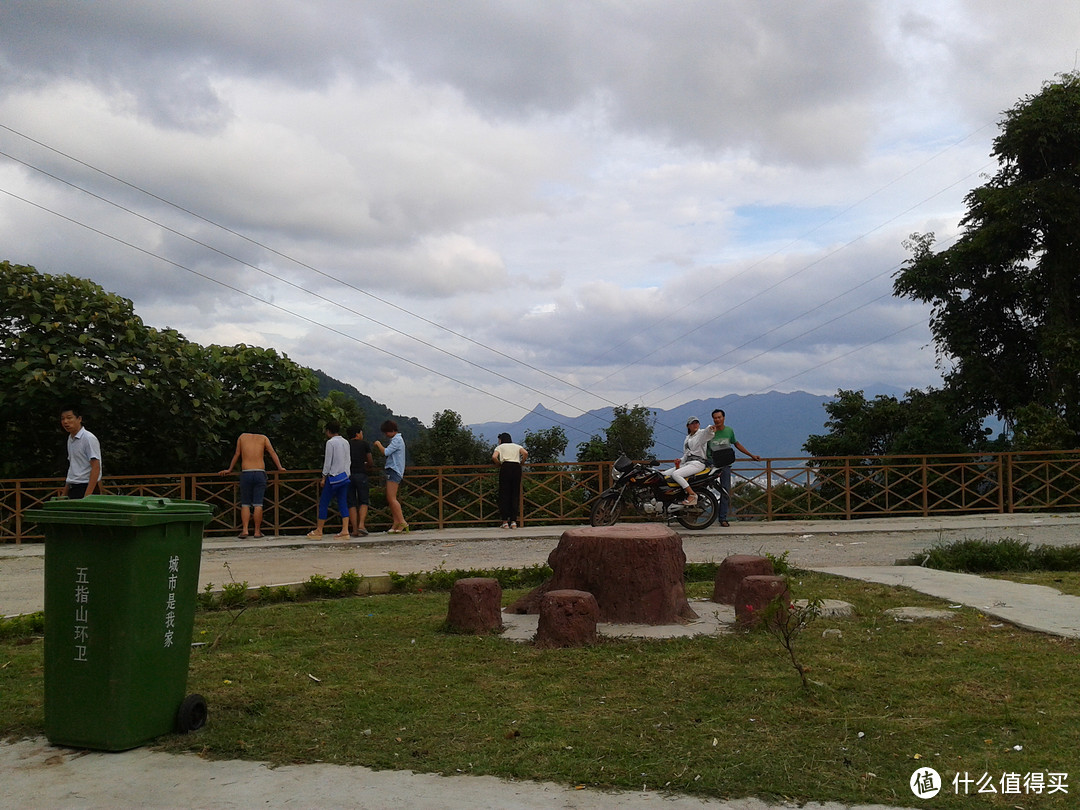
(192,714)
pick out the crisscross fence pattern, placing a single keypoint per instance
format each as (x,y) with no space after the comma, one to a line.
(841,487)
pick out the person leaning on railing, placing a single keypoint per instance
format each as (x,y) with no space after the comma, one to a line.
(722,447)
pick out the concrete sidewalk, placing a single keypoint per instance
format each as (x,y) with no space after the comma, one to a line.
(1032,607)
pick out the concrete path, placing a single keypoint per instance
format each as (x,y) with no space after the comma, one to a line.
(43,776)
(1033,607)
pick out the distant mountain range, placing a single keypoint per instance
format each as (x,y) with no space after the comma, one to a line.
(773,425)
(375,413)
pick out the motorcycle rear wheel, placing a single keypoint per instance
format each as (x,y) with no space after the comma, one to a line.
(606,510)
(701,515)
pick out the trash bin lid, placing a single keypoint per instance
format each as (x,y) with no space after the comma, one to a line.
(123,510)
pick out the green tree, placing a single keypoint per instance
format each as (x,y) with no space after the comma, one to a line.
(545,446)
(630,432)
(1006,295)
(449,442)
(266,392)
(927,422)
(65,340)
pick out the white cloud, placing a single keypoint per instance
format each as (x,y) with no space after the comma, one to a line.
(482,206)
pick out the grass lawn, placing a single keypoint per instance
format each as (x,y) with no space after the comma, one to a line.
(1068,582)
(373,681)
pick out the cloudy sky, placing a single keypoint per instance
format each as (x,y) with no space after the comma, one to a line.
(486,205)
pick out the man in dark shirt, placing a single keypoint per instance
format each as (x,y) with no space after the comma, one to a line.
(360,453)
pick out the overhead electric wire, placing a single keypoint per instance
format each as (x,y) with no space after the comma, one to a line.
(286,282)
(440,326)
(794,241)
(790,276)
(261,300)
(296,261)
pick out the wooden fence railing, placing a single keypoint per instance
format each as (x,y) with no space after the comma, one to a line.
(842,487)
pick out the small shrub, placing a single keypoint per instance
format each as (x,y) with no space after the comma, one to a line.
(24,626)
(318,586)
(1007,554)
(781,566)
(234,594)
(785,621)
(442,579)
(206,600)
(404,583)
(700,572)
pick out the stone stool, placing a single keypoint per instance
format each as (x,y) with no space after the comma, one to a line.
(475,606)
(732,571)
(567,619)
(753,596)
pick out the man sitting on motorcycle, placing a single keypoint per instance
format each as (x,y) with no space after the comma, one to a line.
(693,458)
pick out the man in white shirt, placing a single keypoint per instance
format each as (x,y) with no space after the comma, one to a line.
(84,456)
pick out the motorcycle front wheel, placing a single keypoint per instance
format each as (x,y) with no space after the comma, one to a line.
(606,511)
(701,515)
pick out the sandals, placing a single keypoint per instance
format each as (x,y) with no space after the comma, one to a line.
(513,525)
(341,536)
(725,524)
(314,535)
(403,530)
(505,526)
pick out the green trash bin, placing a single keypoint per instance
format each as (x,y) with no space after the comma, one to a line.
(121,581)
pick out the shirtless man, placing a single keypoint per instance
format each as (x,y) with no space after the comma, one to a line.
(251,447)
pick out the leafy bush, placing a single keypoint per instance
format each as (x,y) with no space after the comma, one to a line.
(1006,554)
(442,579)
(234,594)
(28,624)
(700,572)
(319,586)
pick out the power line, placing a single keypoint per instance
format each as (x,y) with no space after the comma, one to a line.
(294,260)
(261,300)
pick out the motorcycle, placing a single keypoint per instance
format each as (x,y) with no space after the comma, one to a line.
(643,487)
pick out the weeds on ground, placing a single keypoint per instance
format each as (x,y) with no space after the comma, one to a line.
(785,620)
(442,579)
(1006,554)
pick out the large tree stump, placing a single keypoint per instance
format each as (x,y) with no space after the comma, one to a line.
(635,572)
(567,619)
(731,573)
(475,605)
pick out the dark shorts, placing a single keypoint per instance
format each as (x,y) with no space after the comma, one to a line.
(252,487)
(358,490)
(76,491)
(393,476)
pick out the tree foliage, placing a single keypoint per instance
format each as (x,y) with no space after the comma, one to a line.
(449,442)
(545,446)
(630,432)
(262,391)
(157,402)
(1006,295)
(145,392)
(923,423)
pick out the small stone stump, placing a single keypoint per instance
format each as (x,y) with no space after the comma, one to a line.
(732,571)
(475,606)
(635,573)
(567,619)
(753,596)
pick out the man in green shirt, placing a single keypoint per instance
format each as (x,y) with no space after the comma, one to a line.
(723,441)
